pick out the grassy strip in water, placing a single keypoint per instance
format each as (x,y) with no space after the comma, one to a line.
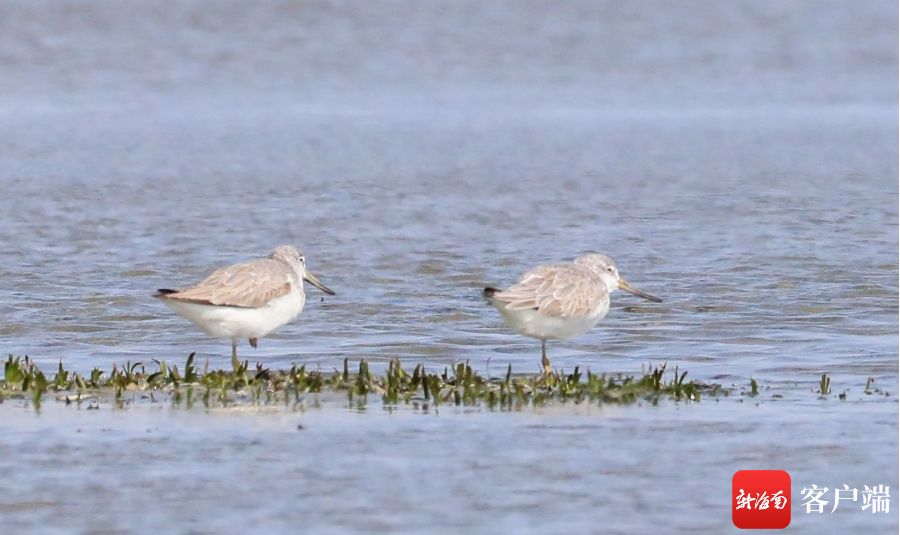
(457,385)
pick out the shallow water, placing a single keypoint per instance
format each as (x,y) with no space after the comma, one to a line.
(578,469)
(739,161)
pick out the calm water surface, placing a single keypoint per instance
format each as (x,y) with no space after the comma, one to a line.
(740,162)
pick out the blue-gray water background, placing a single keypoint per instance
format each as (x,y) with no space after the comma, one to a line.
(739,159)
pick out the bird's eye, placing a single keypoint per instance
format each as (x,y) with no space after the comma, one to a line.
(610,269)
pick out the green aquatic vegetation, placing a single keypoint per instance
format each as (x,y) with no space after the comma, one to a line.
(870,390)
(825,385)
(456,385)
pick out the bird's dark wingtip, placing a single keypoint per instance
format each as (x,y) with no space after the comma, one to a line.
(489,292)
(162,292)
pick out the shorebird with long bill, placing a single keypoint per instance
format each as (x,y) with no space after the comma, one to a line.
(561,301)
(247,300)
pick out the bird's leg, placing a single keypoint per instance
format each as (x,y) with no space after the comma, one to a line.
(235,363)
(253,342)
(544,360)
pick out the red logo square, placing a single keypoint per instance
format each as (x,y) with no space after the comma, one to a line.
(761,499)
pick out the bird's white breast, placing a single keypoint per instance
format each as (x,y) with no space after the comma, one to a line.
(531,323)
(240,322)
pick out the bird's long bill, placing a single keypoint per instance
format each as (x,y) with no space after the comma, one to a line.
(310,278)
(629,288)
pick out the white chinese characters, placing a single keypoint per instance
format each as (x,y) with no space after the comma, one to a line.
(762,501)
(877,498)
(814,495)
